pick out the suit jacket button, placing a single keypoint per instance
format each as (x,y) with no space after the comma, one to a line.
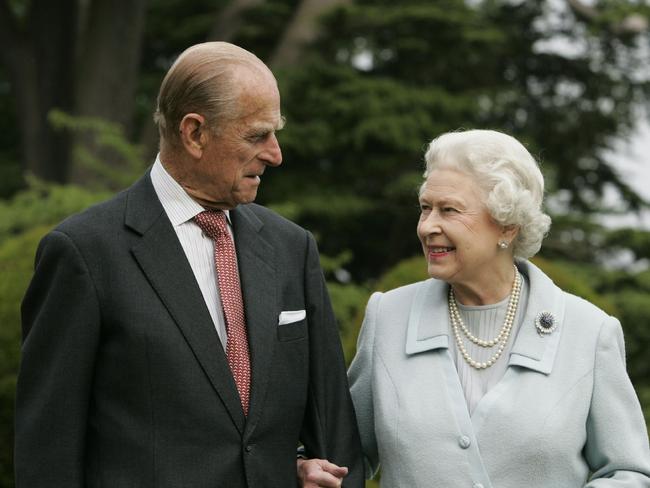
(248,448)
(464,441)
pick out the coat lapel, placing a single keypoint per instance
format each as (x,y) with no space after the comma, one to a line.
(427,327)
(428,324)
(531,349)
(163,261)
(257,272)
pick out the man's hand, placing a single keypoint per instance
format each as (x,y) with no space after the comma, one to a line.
(320,473)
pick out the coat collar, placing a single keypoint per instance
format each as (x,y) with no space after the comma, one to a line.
(428,323)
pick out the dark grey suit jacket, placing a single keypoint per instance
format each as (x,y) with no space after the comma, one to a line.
(124,383)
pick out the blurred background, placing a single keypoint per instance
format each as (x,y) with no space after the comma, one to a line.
(365,85)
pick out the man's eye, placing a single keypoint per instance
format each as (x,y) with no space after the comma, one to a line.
(424,208)
(258,137)
(449,209)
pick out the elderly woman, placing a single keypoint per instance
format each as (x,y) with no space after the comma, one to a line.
(488,374)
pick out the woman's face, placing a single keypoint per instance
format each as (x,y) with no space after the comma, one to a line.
(459,237)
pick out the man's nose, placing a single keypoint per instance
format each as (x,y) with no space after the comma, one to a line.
(272,154)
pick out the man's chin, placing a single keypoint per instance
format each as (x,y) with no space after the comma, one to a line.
(247,197)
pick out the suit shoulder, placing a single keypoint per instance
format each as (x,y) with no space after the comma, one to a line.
(95,218)
(273,219)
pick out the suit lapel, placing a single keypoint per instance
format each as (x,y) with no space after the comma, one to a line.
(257,272)
(162,259)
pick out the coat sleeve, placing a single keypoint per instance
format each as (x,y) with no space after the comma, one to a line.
(329,428)
(360,375)
(60,321)
(617,440)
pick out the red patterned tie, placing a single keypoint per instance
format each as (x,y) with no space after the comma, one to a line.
(213,223)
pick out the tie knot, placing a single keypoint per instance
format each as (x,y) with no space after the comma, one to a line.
(212,222)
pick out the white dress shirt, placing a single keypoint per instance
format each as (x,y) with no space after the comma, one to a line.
(199,248)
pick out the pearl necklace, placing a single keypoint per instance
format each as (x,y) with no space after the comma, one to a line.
(500,340)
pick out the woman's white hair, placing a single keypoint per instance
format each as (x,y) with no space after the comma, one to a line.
(512,184)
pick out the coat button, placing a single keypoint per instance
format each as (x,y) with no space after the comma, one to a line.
(464,442)
(248,448)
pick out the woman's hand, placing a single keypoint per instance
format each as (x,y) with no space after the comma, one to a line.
(320,473)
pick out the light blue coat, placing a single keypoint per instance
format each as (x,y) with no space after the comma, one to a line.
(565,407)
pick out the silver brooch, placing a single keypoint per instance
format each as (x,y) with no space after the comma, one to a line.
(545,322)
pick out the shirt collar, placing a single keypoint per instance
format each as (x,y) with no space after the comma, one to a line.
(178,205)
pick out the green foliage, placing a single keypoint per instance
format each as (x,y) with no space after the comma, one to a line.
(16,265)
(349,303)
(644,397)
(11,178)
(385,78)
(43,203)
(403,273)
(635,240)
(125,158)
(634,306)
(263,24)
(577,280)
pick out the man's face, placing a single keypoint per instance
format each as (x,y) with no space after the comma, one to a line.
(233,161)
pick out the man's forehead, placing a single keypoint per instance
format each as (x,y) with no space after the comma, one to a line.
(269,121)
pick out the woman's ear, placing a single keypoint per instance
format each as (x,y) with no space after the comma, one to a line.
(509,233)
(192,134)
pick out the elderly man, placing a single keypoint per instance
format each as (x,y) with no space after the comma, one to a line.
(179,335)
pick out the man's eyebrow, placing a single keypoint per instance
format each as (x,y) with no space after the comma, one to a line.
(267,128)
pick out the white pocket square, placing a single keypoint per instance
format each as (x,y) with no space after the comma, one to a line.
(291,316)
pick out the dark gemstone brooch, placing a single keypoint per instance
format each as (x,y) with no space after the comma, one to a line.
(545,322)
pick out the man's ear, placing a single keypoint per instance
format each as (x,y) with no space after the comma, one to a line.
(193,134)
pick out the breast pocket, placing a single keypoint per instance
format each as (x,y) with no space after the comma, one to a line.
(293,331)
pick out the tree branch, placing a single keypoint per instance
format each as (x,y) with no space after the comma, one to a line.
(302,29)
(581,10)
(229,20)
(632,24)
(8,28)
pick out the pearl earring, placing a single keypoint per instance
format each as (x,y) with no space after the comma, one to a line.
(503,244)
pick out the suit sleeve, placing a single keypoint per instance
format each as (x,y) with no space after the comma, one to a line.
(360,375)
(60,320)
(617,441)
(329,427)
